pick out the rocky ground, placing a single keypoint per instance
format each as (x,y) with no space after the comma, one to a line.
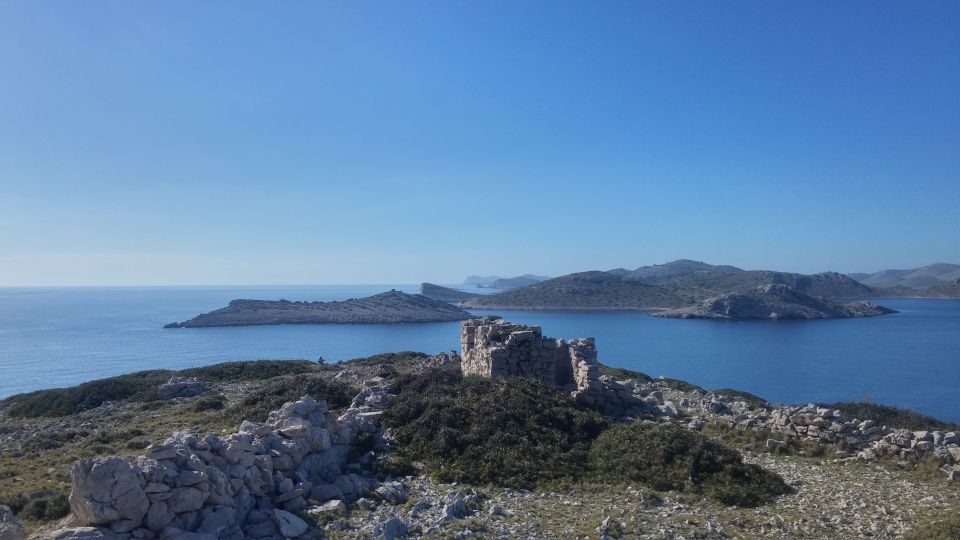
(834,496)
(830,500)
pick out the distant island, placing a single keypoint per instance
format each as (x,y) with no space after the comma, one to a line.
(384,308)
(914,280)
(686,285)
(497,282)
(773,302)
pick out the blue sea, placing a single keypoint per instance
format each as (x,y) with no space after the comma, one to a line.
(55,337)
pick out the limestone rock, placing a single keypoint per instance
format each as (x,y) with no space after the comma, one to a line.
(181,387)
(108,491)
(10,528)
(393,528)
(290,525)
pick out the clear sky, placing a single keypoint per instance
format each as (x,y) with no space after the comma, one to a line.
(398,142)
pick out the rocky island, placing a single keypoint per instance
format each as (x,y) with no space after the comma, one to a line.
(384,308)
(773,302)
(688,289)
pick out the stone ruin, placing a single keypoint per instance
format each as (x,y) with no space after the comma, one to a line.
(493,347)
(245,485)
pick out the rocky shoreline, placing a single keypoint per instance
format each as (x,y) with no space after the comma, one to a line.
(390,307)
(773,302)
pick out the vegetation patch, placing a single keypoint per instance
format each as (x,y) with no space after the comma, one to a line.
(674,458)
(754,401)
(256,404)
(139,386)
(142,386)
(945,529)
(893,417)
(510,432)
(255,370)
(623,373)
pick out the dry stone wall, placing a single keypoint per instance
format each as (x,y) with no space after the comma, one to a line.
(242,486)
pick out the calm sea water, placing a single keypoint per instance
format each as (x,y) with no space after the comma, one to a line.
(61,337)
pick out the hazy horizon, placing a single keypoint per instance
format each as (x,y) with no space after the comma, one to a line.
(359,143)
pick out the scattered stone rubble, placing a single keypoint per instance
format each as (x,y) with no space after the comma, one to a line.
(856,439)
(10,528)
(244,485)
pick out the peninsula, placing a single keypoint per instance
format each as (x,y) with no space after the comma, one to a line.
(384,308)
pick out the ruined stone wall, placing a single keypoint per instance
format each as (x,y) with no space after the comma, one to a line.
(244,485)
(493,347)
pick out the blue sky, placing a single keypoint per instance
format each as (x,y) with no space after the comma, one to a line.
(393,142)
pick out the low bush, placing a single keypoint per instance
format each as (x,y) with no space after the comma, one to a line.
(141,386)
(674,458)
(257,404)
(255,370)
(678,385)
(210,402)
(510,432)
(623,373)
(945,529)
(893,417)
(66,401)
(46,508)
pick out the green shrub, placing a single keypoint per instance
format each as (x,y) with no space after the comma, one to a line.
(893,417)
(141,386)
(256,405)
(46,508)
(946,529)
(67,401)
(511,432)
(674,458)
(622,373)
(210,402)
(255,370)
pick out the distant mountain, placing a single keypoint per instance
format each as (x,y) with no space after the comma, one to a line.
(671,285)
(480,281)
(384,308)
(950,289)
(497,282)
(678,269)
(446,294)
(775,301)
(917,278)
(519,281)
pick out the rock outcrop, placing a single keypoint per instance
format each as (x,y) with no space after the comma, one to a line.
(773,302)
(10,528)
(384,308)
(245,485)
(179,387)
